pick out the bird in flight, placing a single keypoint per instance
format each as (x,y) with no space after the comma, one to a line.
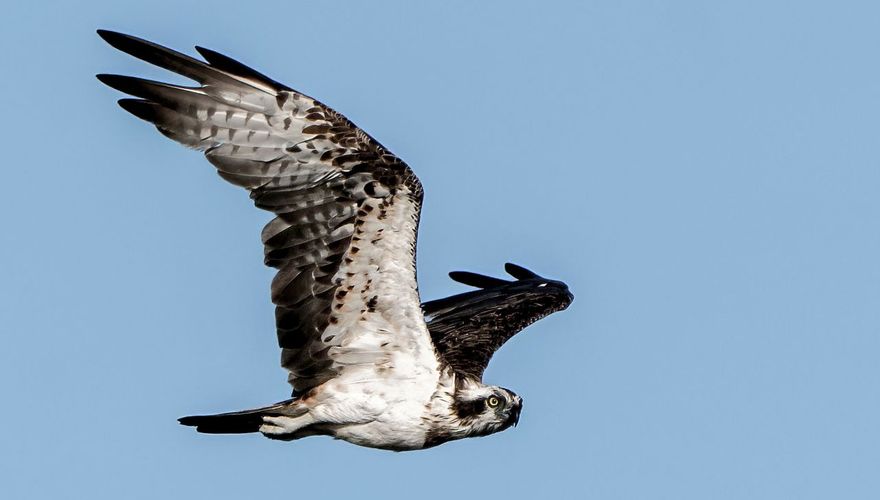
(368,363)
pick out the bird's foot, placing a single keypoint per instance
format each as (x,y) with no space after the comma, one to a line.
(281,425)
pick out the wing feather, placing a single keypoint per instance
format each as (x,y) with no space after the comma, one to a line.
(346,209)
(468,328)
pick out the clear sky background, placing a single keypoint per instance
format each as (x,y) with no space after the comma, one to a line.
(705,178)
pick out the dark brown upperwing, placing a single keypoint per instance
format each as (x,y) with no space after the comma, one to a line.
(469,327)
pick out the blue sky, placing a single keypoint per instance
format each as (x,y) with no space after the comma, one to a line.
(704,176)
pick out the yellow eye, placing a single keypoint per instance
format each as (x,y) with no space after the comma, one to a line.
(493,401)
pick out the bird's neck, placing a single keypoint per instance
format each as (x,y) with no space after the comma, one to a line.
(448,410)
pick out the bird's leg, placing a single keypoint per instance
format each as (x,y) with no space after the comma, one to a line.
(276,426)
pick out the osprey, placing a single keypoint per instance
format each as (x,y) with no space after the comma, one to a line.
(368,363)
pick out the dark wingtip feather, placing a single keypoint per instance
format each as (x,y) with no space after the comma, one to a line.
(520,272)
(138,87)
(163,57)
(477,280)
(117,82)
(139,108)
(230,65)
(107,35)
(121,41)
(191,420)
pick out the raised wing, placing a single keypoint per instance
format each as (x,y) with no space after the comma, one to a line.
(469,327)
(343,239)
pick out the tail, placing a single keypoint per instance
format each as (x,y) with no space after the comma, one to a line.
(237,422)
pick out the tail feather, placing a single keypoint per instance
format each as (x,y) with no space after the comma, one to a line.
(237,422)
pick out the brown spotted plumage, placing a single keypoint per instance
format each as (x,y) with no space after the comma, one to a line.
(312,167)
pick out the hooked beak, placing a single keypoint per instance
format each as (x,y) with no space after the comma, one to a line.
(515,413)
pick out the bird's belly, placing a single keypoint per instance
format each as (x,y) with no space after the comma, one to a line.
(385,433)
(385,415)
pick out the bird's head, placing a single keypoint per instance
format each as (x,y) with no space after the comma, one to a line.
(486,409)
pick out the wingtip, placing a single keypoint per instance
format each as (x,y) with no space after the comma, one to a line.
(205,52)
(122,83)
(188,421)
(230,65)
(114,38)
(130,44)
(139,108)
(107,79)
(520,272)
(476,280)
